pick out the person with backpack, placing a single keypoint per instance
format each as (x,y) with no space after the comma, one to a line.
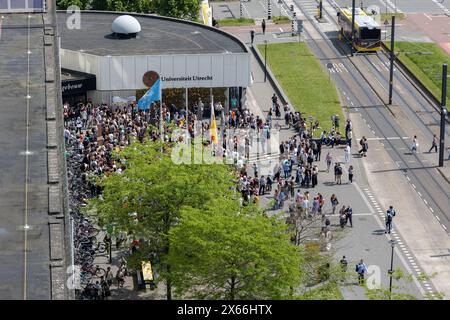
(350,174)
(361,269)
(364,146)
(338,173)
(274,101)
(342,217)
(314,175)
(334,202)
(348,216)
(390,214)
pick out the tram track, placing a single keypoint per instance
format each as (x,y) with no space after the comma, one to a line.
(363,95)
(402,81)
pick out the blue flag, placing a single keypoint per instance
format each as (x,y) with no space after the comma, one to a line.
(153,94)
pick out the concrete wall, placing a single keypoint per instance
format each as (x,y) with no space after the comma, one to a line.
(126,72)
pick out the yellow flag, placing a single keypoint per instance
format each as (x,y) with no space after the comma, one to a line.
(213,129)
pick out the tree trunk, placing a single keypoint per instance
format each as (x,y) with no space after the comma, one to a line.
(168,284)
(232,287)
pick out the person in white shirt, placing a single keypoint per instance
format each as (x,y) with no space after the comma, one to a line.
(347,151)
(415,145)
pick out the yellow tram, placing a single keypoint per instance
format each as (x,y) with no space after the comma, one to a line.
(367,31)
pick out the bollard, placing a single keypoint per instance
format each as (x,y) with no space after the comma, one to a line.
(293,22)
(269,10)
(240,9)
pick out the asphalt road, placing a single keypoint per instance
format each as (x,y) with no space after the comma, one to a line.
(430,186)
(367,239)
(409,106)
(24,262)
(258,8)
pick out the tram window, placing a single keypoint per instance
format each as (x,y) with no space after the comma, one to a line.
(370,33)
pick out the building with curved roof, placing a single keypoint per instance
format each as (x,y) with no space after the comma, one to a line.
(185,54)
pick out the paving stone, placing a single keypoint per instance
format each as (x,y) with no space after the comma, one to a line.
(53,168)
(54,200)
(52,141)
(58,277)
(56,241)
(50,101)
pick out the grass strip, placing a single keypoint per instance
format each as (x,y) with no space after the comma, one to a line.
(305,82)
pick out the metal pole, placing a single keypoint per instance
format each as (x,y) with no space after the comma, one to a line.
(443,114)
(265,60)
(240,9)
(391,71)
(320,9)
(391,271)
(187,108)
(353,26)
(110,250)
(294,16)
(269,10)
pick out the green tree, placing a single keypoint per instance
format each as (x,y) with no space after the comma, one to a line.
(399,289)
(144,6)
(64,4)
(183,9)
(222,252)
(146,199)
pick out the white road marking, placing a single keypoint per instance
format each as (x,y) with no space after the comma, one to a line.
(445,228)
(408,178)
(428,17)
(420,195)
(426,202)
(431,209)
(413,185)
(437,218)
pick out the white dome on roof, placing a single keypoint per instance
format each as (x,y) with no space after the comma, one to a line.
(126,25)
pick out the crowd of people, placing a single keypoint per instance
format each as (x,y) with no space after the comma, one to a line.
(97,130)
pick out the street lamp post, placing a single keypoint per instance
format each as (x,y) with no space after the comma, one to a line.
(392,58)
(391,271)
(265,60)
(240,9)
(353,26)
(443,115)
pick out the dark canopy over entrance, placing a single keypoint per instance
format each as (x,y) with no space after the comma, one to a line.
(75,85)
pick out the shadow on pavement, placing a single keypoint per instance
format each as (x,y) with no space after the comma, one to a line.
(378,232)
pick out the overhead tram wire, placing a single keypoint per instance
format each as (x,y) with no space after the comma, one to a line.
(402,82)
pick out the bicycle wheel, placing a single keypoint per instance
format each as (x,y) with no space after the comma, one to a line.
(100,272)
(101,247)
(85,278)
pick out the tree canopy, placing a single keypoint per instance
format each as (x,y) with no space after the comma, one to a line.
(221,253)
(146,199)
(184,9)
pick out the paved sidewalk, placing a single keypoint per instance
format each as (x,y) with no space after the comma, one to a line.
(367,239)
